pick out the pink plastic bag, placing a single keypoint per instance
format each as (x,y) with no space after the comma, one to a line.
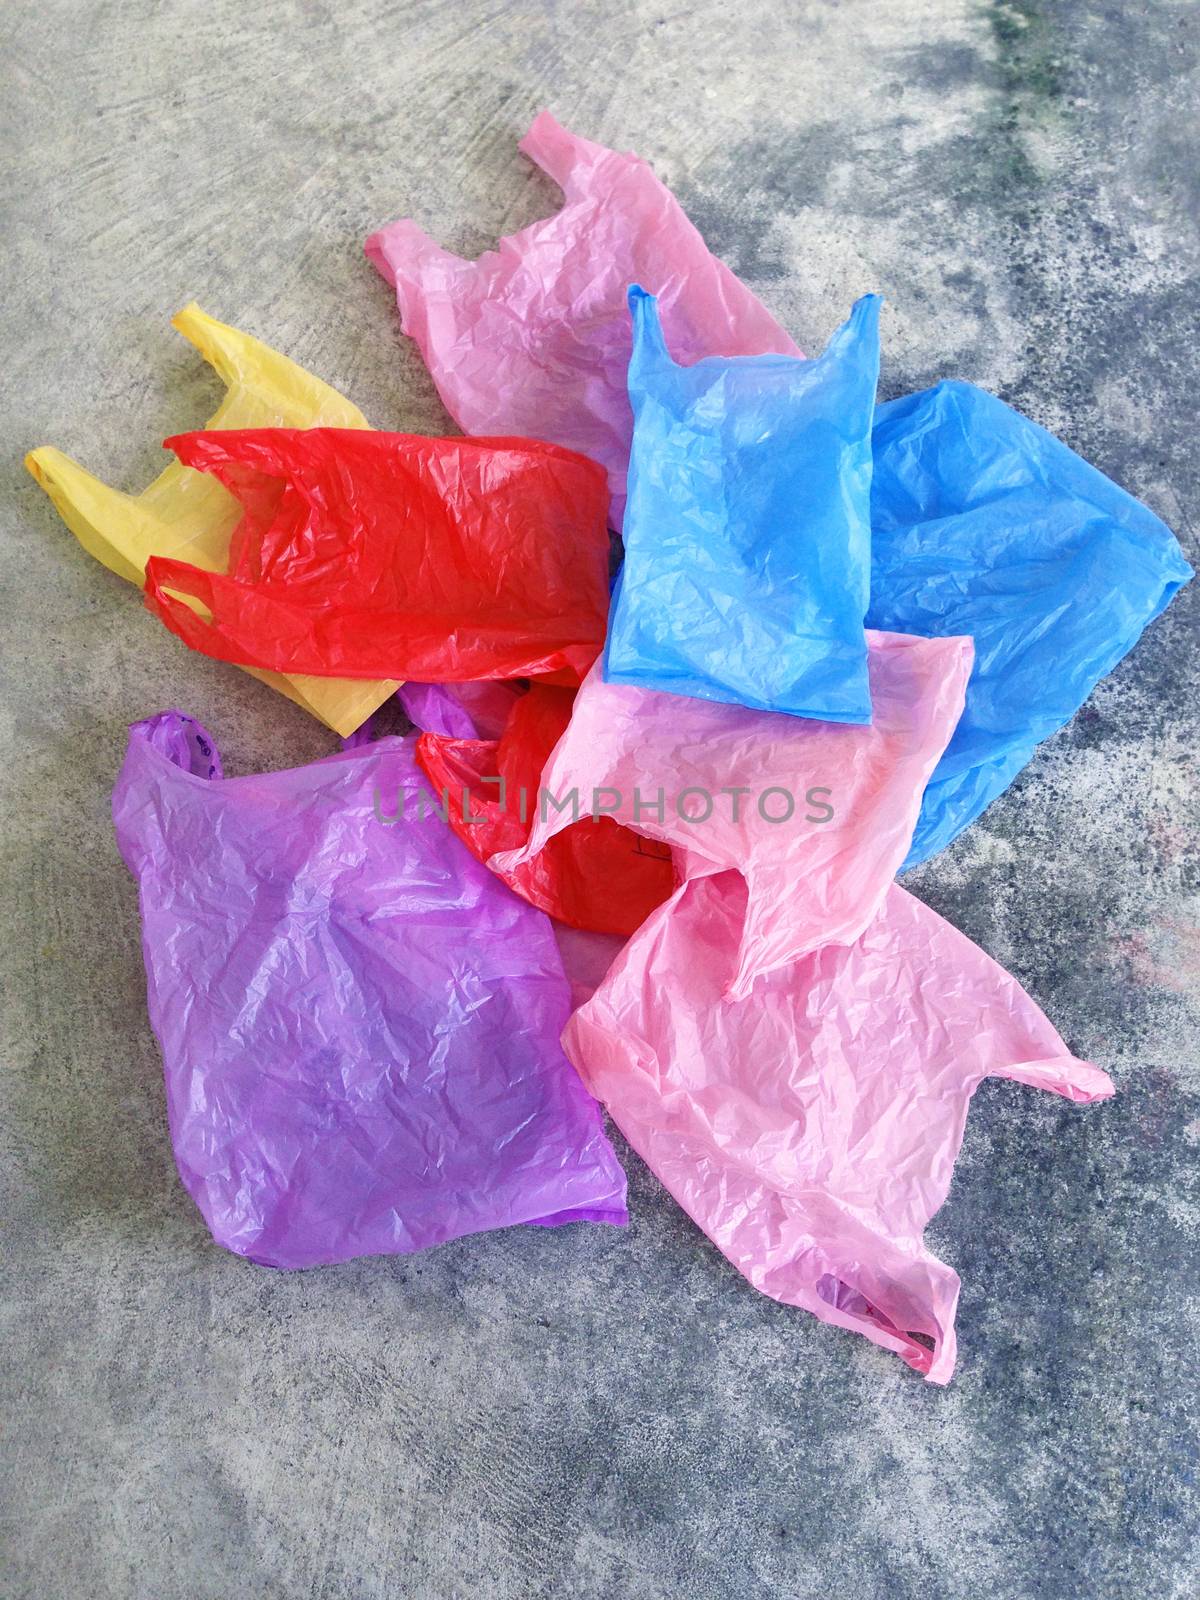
(816,816)
(811,1131)
(596,875)
(534,338)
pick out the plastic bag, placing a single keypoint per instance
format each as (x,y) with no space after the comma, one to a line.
(816,816)
(187,515)
(477,710)
(458,710)
(359,1024)
(984,523)
(461,710)
(811,1132)
(533,338)
(595,875)
(586,958)
(747,532)
(362,553)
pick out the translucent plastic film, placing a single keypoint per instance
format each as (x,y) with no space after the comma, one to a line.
(747,531)
(811,1130)
(816,816)
(985,524)
(360,554)
(533,338)
(190,516)
(359,1023)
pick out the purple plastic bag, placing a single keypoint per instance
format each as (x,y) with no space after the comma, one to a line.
(477,710)
(461,710)
(359,1022)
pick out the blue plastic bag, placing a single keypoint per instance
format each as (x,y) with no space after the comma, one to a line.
(747,531)
(982,523)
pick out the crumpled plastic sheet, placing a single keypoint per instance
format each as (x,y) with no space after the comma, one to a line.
(461,710)
(474,710)
(363,553)
(586,959)
(534,338)
(983,523)
(359,1024)
(816,816)
(811,1131)
(747,530)
(191,516)
(595,875)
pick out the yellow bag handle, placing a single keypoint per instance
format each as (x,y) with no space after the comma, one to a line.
(189,514)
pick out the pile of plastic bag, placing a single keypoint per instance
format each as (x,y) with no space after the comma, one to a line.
(642,850)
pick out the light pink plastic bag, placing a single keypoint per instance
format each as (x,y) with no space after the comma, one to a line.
(812,1130)
(534,338)
(816,816)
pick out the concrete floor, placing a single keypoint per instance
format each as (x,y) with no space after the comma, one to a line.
(585,1413)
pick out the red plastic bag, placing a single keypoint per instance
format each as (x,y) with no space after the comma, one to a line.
(595,875)
(385,555)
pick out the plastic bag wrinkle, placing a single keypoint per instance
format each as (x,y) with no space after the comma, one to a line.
(811,1130)
(747,531)
(359,1024)
(186,515)
(534,338)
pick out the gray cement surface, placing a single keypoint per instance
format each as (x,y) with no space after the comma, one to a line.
(586,1413)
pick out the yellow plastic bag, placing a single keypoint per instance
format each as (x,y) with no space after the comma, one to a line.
(189,514)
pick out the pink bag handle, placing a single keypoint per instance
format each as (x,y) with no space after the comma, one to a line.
(563,155)
(404,249)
